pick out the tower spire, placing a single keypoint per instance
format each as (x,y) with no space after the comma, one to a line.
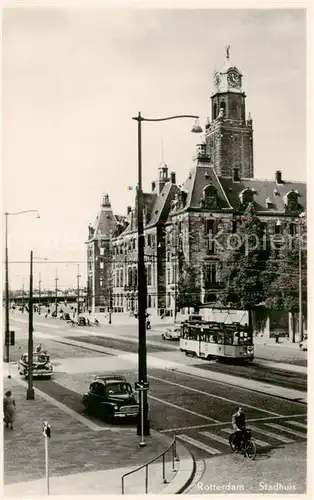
(228,52)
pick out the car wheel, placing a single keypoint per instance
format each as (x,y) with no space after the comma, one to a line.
(106,413)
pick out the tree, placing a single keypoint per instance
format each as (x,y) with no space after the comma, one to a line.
(284,289)
(189,289)
(243,268)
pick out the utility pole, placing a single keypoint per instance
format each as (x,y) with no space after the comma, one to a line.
(110,299)
(39,293)
(301,219)
(7,321)
(300,293)
(30,388)
(23,297)
(78,289)
(56,281)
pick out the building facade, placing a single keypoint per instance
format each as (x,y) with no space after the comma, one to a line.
(181,222)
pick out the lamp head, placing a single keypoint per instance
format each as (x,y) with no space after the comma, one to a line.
(37,216)
(197,129)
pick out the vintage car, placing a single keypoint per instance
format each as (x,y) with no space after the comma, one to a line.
(111,397)
(65,316)
(172,333)
(41,365)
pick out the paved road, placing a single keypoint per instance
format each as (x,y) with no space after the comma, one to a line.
(197,410)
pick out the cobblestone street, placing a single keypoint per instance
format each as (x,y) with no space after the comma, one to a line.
(73,447)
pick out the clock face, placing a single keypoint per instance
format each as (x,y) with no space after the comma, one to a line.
(234,79)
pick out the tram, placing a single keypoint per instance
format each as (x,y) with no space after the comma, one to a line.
(214,340)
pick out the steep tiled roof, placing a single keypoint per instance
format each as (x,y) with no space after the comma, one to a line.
(200,177)
(264,189)
(105,223)
(161,207)
(156,205)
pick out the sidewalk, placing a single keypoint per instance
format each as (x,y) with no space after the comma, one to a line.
(283,342)
(281,470)
(82,461)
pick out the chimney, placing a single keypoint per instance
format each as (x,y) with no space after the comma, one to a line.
(235,174)
(129,210)
(173,177)
(278,175)
(153,185)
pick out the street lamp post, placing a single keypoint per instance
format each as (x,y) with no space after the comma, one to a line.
(30,389)
(39,293)
(143,423)
(23,291)
(7,319)
(56,292)
(78,290)
(302,215)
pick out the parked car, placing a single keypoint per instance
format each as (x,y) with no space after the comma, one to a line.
(111,397)
(42,366)
(172,333)
(196,317)
(65,316)
(303,345)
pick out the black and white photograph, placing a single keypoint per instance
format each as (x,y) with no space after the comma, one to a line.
(155,277)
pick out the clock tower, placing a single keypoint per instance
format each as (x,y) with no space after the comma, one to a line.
(229,136)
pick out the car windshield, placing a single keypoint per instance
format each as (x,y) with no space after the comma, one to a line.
(37,358)
(121,388)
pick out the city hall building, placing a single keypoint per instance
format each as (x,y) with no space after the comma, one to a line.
(180,222)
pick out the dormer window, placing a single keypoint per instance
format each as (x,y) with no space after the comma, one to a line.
(278,227)
(269,203)
(209,199)
(291,201)
(246,196)
(183,196)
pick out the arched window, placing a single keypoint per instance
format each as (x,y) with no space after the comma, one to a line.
(291,201)
(135,276)
(246,196)
(234,110)
(223,106)
(130,276)
(215,111)
(209,199)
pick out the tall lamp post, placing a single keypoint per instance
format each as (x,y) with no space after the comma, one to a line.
(39,293)
(56,292)
(301,216)
(7,319)
(143,422)
(30,388)
(78,290)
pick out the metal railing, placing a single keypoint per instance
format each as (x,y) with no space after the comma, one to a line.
(171,447)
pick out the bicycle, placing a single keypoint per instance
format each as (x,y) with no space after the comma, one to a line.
(247,445)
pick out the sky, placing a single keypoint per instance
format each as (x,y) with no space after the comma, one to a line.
(72,79)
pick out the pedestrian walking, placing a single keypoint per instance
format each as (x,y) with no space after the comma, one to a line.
(9,409)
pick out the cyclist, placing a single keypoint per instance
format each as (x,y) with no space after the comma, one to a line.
(238,424)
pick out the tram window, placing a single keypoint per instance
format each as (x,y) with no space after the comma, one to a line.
(212,337)
(220,338)
(228,338)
